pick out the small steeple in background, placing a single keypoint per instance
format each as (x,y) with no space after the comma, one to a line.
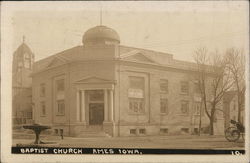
(23,39)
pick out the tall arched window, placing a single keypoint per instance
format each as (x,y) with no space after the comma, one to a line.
(27,60)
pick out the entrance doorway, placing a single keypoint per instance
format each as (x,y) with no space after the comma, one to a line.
(96,113)
(96,107)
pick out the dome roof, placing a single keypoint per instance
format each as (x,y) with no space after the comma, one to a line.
(23,48)
(100,33)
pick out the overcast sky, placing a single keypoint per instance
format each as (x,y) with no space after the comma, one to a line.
(172,27)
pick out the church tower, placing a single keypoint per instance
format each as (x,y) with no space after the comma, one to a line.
(22,63)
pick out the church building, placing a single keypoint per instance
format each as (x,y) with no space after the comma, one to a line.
(23,60)
(104,87)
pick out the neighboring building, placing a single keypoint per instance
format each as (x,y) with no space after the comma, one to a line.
(23,60)
(120,90)
(230,108)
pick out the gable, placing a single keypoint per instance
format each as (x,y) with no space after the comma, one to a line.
(137,55)
(56,62)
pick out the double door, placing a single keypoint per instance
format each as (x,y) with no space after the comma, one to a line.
(96,113)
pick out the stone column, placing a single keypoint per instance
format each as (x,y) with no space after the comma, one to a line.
(111,106)
(83,119)
(77,105)
(105,105)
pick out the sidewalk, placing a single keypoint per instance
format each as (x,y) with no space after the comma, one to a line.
(167,142)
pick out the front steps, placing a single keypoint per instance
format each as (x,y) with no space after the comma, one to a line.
(93,131)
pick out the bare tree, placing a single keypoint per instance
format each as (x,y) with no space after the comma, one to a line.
(236,65)
(213,81)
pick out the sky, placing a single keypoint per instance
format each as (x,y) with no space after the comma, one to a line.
(172,27)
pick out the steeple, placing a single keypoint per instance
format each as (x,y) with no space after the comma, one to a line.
(23,39)
(23,60)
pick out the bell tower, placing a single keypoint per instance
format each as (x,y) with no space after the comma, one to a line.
(23,59)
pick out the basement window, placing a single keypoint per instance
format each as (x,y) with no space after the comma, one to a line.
(196,131)
(185,130)
(61,131)
(164,130)
(132,131)
(142,131)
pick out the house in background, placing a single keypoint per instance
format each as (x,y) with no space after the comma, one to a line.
(230,107)
(104,87)
(23,60)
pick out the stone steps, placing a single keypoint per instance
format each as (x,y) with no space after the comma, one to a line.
(93,131)
(89,134)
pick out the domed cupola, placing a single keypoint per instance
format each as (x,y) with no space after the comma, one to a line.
(100,34)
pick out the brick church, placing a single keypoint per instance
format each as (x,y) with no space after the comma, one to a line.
(117,90)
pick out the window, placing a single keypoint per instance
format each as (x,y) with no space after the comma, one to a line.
(136,105)
(19,66)
(133,131)
(27,63)
(164,85)
(197,88)
(56,131)
(43,108)
(142,131)
(185,130)
(61,131)
(184,107)
(136,94)
(29,115)
(215,118)
(60,107)
(234,105)
(136,87)
(196,131)
(184,87)
(197,108)
(60,85)
(163,130)
(96,95)
(136,82)
(164,105)
(42,90)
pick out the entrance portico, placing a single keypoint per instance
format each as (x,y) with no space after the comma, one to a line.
(94,103)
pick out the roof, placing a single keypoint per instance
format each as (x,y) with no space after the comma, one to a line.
(130,54)
(22,49)
(100,33)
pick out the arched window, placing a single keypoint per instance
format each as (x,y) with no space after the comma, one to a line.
(27,60)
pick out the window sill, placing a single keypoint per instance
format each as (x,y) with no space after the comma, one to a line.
(60,115)
(42,115)
(183,114)
(141,134)
(182,93)
(163,114)
(136,113)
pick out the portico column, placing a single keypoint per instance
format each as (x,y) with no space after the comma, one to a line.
(83,106)
(105,105)
(111,105)
(77,105)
